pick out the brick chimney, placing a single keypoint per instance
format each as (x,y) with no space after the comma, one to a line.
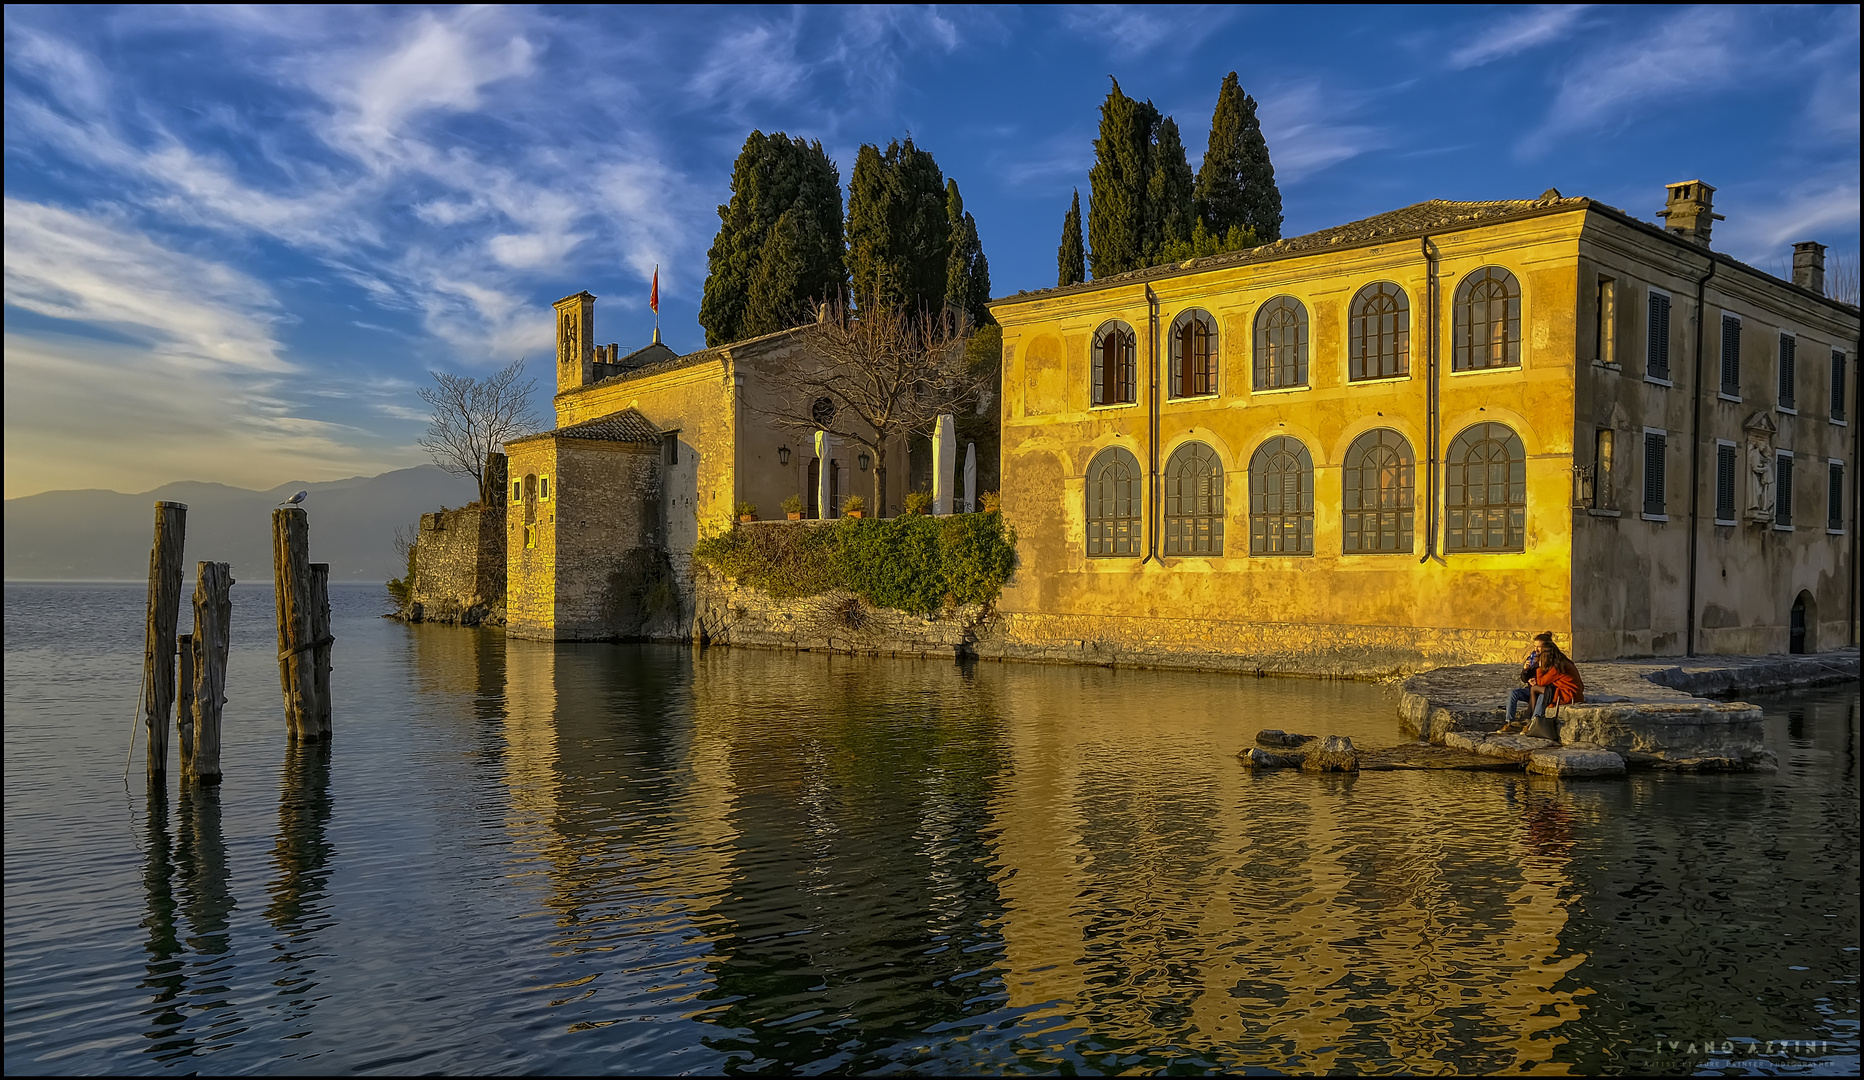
(1689,211)
(1809,266)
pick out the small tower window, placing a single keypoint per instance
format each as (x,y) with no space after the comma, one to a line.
(543,488)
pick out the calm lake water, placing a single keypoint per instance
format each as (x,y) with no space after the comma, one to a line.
(524,858)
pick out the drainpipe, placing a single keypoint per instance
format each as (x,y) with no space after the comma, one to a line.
(1154,511)
(1695,459)
(1430,404)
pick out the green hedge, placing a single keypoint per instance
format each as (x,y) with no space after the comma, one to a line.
(915,564)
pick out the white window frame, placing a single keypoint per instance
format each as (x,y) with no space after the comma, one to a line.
(1644,471)
(1736,447)
(1777,527)
(1789,410)
(1840,530)
(1849,375)
(1598,322)
(1649,291)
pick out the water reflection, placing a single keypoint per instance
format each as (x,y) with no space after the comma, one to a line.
(163,972)
(301,854)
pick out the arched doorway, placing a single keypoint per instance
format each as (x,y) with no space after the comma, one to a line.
(1800,634)
(815,488)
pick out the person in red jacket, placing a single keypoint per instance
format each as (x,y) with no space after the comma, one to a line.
(1557,679)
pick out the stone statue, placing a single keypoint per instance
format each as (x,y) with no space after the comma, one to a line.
(1760,463)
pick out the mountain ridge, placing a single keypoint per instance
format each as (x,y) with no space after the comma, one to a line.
(93,534)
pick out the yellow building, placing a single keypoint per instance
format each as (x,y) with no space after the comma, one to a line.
(1418,438)
(651,451)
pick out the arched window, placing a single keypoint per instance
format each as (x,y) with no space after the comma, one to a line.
(1114,359)
(1379,490)
(1281,499)
(1281,344)
(1487,332)
(1193,355)
(1113,503)
(1379,333)
(1194,501)
(1485,487)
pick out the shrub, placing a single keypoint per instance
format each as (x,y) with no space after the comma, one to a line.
(747,510)
(913,563)
(853,504)
(793,504)
(992,501)
(917,504)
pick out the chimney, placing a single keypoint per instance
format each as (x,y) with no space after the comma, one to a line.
(1809,266)
(1689,211)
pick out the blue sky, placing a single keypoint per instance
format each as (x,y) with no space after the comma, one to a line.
(238,238)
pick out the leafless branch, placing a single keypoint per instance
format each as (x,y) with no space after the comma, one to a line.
(472,418)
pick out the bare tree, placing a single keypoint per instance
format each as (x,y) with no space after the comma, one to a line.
(474,417)
(1841,279)
(884,373)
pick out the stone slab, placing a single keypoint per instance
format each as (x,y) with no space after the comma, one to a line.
(1573,761)
(1512,747)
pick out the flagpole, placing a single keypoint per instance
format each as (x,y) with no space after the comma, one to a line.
(656,303)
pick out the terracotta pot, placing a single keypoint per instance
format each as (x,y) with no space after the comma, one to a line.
(857,513)
(796,515)
(747,517)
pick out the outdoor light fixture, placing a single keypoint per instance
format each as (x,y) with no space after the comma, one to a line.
(864,460)
(783,455)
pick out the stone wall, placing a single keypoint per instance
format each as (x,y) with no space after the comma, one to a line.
(726,613)
(459,567)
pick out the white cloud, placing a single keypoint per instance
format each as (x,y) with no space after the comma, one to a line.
(189,310)
(1763,224)
(1306,132)
(1530,29)
(1139,30)
(758,61)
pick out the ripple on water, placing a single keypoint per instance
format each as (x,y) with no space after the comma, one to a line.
(528,858)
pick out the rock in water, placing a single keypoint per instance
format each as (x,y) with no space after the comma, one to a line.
(1571,761)
(1334,754)
(1257,758)
(1278,737)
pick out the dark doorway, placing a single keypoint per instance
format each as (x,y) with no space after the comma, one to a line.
(815,488)
(1796,626)
(834,489)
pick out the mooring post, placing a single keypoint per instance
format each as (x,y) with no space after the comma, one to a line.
(158,654)
(321,641)
(184,699)
(291,583)
(213,617)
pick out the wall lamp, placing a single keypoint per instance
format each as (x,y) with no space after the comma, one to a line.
(783,455)
(864,462)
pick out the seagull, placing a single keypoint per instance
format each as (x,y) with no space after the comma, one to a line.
(296,500)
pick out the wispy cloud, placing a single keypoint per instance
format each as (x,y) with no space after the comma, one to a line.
(1518,33)
(1139,30)
(1307,131)
(1763,224)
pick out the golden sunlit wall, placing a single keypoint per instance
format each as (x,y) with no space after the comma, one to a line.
(1327,612)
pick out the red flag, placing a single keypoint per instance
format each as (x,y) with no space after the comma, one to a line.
(653,298)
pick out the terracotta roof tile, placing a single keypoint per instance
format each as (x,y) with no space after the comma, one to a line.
(627,426)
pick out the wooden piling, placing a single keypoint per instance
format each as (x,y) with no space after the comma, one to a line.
(291,583)
(321,640)
(158,654)
(213,618)
(184,699)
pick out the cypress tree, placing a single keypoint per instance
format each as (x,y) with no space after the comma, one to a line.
(899,231)
(1236,184)
(774,175)
(1071,259)
(1169,213)
(967,273)
(1116,217)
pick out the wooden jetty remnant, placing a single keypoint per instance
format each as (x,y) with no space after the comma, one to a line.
(213,618)
(158,654)
(291,583)
(321,640)
(184,700)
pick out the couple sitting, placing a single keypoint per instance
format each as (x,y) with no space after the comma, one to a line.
(1548,677)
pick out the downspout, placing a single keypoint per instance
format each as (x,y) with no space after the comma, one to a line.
(1154,511)
(1695,459)
(1430,404)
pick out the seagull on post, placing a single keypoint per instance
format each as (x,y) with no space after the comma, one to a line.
(296,500)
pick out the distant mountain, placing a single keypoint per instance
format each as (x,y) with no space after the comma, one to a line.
(105,535)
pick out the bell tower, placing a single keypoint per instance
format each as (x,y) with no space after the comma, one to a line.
(575,341)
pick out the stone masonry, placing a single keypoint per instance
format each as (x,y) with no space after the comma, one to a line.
(459,567)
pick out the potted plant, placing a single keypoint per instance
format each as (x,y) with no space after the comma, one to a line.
(793,506)
(854,506)
(917,504)
(992,502)
(747,512)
